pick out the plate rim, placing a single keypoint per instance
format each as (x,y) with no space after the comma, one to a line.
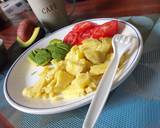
(83,102)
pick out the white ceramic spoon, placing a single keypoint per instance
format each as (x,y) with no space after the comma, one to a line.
(121,44)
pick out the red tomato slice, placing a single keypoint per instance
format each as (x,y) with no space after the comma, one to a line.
(71,38)
(84,35)
(108,29)
(89,29)
(83,26)
(113,27)
(97,32)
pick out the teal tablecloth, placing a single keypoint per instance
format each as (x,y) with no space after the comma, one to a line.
(134,104)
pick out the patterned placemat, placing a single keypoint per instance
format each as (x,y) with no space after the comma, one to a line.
(134,104)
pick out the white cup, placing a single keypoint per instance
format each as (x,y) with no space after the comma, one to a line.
(51,13)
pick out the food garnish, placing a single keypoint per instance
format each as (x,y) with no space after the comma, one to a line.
(39,57)
(56,50)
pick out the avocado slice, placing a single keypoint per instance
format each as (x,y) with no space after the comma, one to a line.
(55,41)
(58,50)
(39,57)
(37,34)
(55,51)
(59,43)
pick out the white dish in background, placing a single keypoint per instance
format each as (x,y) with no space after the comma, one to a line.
(19,75)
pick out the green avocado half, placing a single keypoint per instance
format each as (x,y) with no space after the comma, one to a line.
(38,33)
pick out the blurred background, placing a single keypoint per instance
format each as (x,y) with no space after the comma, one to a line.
(13,11)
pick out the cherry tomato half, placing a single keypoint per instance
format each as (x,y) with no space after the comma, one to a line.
(89,29)
(71,38)
(84,35)
(83,26)
(108,29)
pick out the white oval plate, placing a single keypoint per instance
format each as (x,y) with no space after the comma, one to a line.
(19,75)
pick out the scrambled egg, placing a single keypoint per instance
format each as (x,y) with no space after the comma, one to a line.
(77,75)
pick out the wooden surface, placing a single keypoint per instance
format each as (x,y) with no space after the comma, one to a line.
(91,9)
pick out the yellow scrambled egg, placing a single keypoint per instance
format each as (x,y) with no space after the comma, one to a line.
(77,75)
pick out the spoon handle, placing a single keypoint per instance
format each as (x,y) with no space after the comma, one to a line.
(102,93)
